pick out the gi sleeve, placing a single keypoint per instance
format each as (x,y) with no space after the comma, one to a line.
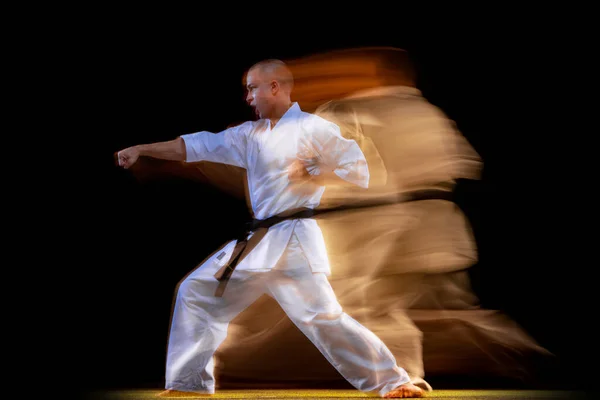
(226,147)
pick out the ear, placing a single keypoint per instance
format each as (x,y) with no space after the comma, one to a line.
(275,87)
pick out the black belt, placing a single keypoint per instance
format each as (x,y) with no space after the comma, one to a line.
(260,227)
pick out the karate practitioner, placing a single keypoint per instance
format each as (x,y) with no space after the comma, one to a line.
(289,156)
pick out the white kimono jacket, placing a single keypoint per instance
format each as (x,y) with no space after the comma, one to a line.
(266,154)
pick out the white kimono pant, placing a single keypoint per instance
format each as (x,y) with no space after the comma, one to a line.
(200,320)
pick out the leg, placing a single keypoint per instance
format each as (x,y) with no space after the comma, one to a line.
(199,325)
(358,354)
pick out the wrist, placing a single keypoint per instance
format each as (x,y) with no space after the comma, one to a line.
(140,148)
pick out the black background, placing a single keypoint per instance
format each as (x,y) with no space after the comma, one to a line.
(152,79)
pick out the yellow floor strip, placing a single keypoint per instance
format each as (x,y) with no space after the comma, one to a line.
(342,394)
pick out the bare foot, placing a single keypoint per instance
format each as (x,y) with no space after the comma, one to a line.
(177,393)
(408,390)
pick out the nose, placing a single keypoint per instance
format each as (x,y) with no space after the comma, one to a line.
(249,98)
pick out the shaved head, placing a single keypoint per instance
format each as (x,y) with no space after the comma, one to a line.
(273,69)
(269,86)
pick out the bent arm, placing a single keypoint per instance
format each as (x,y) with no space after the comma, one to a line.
(339,161)
(328,178)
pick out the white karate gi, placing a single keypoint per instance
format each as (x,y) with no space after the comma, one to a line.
(290,263)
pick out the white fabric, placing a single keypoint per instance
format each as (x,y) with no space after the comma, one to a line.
(266,154)
(200,321)
(292,257)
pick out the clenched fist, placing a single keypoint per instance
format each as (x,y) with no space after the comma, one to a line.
(297,171)
(127,157)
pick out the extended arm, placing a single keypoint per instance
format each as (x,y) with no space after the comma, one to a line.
(226,147)
(170,150)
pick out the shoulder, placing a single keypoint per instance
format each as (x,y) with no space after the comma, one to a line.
(313,122)
(245,128)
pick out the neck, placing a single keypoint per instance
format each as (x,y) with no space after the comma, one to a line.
(278,112)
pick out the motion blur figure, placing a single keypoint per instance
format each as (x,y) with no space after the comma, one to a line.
(413,229)
(400,249)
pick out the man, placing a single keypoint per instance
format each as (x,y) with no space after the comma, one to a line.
(398,266)
(289,156)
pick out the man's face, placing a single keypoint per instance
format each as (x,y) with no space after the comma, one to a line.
(260,96)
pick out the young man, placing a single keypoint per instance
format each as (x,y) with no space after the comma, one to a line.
(289,156)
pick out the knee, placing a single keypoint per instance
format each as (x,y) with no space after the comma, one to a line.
(322,317)
(192,297)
